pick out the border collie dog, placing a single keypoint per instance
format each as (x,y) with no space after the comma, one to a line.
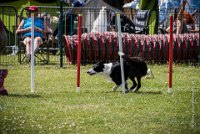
(133,68)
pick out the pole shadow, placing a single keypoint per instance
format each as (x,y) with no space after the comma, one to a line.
(25,95)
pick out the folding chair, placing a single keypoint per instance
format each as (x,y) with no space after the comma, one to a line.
(141,21)
(43,52)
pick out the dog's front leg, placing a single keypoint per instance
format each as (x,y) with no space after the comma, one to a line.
(126,86)
(115,87)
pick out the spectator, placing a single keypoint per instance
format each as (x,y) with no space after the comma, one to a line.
(78,3)
(3,74)
(69,17)
(3,37)
(184,22)
(181,21)
(40,30)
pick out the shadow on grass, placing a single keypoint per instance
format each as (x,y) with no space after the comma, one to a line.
(139,92)
(148,92)
(24,95)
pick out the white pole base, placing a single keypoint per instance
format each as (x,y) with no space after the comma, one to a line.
(78,89)
(170,91)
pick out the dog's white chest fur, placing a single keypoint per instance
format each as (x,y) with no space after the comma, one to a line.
(107,71)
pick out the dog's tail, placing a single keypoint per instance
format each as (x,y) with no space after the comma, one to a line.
(127,58)
(148,74)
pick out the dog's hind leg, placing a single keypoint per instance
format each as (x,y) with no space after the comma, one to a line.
(126,87)
(115,87)
(134,84)
(139,84)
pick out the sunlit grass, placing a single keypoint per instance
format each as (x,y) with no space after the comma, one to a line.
(56,107)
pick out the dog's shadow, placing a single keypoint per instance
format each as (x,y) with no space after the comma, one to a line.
(149,92)
(139,92)
(25,95)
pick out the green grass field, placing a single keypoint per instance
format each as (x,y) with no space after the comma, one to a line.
(56,107)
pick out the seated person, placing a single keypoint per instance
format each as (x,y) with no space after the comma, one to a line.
(69,17)
(183,19)
(185,22)
(40,30)
(3,37)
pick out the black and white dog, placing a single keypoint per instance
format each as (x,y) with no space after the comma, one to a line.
(133,68)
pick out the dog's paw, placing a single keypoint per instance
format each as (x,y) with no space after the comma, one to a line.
(115,88)
(127,91)
(134,90)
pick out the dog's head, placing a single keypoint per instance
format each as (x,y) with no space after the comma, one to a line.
(97,68)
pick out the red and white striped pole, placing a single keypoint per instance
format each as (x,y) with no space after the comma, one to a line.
(170,55)
(79,51)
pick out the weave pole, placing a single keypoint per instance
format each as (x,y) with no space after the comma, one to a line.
(79,51)
(121,51)
(61,33)
(32,53)
(170,55)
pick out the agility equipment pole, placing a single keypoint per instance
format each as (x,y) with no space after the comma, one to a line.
(121,51)
(61,33)
(79,51)
(32,53)
(170,55)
